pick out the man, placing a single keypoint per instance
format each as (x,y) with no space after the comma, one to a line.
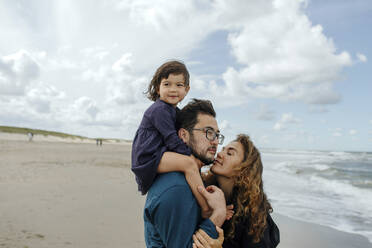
(171,212)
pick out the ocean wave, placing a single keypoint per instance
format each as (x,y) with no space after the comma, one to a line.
(332,189)
(321,167)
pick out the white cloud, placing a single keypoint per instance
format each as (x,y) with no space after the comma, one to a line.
(123,64)
(224,125)
(198,84)
(41,97)
(337,134)
(362,57)
(264,140)
(227,130)
(89,71)
(17,71)
(98,53)
(352,131)
(318,109)
(265,113)
(285,120)
(283,56)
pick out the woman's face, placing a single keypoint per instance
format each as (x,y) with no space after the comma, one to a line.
(230,157)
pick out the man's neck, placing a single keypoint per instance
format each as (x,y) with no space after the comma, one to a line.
(198,161)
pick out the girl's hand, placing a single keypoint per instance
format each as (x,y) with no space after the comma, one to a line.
(229,211)
(202,239)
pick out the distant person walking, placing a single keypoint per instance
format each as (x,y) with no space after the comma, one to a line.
(30,136)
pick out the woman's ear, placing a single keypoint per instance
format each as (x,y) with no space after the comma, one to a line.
(184,135)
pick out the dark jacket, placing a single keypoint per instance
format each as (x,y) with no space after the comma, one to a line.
(271,237)
(242,239)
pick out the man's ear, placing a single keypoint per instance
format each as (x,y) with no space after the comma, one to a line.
(184,135)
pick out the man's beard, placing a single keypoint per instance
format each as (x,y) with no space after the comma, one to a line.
(202,157)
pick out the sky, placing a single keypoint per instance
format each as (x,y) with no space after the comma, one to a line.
(293,74)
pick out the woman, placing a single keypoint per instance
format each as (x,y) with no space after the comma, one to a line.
(238,172)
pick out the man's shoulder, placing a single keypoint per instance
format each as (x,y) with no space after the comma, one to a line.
(169,191)
(166,181)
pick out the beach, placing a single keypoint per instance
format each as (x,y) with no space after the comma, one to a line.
(78,194)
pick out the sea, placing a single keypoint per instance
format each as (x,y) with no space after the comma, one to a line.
(323,187)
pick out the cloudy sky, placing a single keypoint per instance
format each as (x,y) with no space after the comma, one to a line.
(294,74)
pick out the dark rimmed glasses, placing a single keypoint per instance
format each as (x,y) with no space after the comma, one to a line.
(211,135)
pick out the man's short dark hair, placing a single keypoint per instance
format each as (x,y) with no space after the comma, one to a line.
(187,117)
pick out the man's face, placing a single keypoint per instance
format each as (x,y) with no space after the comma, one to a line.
(201,147)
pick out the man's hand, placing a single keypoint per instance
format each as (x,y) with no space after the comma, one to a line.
(216,200)
(202,239)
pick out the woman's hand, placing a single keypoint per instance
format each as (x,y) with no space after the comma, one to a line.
(202,239)
(229,211)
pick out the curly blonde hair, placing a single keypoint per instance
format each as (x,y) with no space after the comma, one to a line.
(248,195)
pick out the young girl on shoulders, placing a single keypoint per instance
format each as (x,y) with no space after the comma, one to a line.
(156,147)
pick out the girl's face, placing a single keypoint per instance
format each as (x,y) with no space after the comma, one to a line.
(172,90)
(228,159)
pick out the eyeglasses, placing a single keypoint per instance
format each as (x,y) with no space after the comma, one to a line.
(211,135)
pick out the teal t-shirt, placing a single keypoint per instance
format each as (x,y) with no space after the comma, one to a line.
(172,214)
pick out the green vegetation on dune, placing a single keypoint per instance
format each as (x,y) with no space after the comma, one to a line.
(22,130)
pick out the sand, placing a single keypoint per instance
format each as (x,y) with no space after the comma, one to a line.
(56,194)
(62,194)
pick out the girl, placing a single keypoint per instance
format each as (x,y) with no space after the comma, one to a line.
(156,147)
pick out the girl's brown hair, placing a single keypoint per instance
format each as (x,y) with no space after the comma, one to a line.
(248,195)
(171,67)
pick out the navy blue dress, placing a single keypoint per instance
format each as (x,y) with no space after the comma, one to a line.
(156,134)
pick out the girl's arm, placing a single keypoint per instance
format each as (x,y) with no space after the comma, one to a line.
(172,161)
